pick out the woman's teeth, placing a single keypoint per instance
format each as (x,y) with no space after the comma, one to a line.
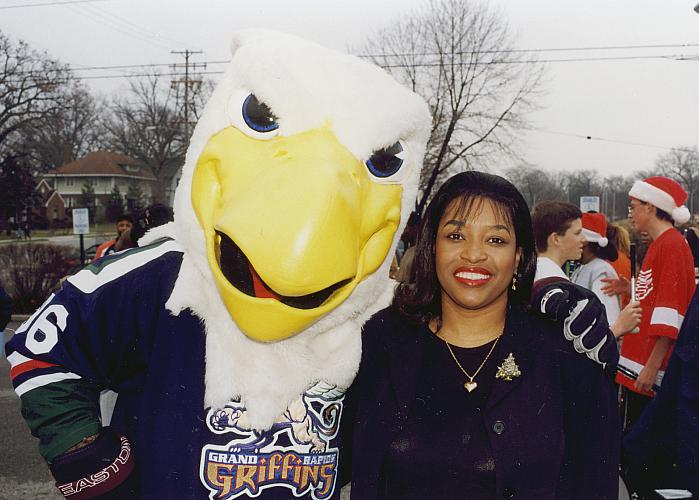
(472,276)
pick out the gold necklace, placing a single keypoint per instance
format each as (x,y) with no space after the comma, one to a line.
(470,385)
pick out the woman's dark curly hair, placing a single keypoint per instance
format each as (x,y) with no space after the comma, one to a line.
(420,300)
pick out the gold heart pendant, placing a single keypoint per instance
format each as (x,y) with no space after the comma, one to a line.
(470,386)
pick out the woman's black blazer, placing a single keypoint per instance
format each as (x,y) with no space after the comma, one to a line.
(554,430)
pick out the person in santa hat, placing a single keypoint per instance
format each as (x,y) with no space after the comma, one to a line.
(596,253)
(665,286)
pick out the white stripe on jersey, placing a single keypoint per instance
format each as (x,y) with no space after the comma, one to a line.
(87,282)
(42,380)
(666,316)
(637,367)
(17,359)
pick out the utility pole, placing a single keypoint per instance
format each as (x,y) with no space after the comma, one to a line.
(188,81)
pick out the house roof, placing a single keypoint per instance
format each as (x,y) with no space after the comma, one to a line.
(54,193)
(43,181)
(104,163)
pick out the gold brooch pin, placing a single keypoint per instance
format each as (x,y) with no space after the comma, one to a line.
(508,369)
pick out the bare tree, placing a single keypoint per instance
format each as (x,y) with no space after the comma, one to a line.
(682,164)
(615,196)
(460,56)
(65,133)
(146,126)
(582,183)
(32,87)
(535,184)
(149,125)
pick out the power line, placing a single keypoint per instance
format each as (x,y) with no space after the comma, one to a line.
(107,77)
(18,6)
(546,49)
(673,57)
(130,25)
(604,139)
(129,66)
(130,32)
(676,57)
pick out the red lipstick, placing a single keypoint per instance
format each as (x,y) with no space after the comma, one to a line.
(472,276)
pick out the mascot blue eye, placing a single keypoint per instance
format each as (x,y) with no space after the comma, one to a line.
(387,161)
(258,116)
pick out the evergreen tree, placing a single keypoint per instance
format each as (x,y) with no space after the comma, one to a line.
(115,204)
(87,199)
(17,189)
(134,197)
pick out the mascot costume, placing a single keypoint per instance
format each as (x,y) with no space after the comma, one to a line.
(232,334)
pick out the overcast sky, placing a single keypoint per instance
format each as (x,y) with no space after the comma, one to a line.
(632,108)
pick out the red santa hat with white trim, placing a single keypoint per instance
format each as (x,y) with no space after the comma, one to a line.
(595,228)
(665,194)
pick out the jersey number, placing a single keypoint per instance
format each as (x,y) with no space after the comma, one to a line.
(43,334)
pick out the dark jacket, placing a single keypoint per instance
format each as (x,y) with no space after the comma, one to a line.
(668,429)
(553,430)
(5,309)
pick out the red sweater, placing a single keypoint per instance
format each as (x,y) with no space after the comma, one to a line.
(664,287)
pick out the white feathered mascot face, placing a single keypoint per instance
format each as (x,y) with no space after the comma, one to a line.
(298,181)
(301,173)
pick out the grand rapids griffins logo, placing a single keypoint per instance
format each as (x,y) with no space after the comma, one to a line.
(295,453)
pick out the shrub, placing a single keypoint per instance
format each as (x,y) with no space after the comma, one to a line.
(30,272)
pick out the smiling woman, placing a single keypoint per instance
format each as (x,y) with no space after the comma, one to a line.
(503,227)
(461,391)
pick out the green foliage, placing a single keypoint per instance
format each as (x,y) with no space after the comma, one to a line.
(87,199)
(135,199)
(17,187)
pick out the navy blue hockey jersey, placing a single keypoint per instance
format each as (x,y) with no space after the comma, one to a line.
(108,329)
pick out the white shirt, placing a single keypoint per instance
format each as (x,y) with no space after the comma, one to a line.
(590,275)
(546,268)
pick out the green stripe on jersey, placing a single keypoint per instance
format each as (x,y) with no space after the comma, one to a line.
(115,266)
(101,263)
(61,414)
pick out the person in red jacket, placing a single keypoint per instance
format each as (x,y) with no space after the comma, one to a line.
(123,222)
(665,286)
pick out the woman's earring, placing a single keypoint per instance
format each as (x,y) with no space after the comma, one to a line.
(514,283)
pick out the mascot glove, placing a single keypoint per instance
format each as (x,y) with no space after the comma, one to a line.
(101,469)
(584,319)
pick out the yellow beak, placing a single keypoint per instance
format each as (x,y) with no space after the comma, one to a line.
(292,225)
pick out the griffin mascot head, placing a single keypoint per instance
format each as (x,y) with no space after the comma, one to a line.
(297,183)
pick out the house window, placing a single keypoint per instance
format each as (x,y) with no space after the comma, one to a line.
(133,169)
(70,181)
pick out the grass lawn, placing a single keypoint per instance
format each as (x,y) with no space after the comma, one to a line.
(105,229)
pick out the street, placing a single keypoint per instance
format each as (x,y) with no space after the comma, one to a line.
(69,240)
